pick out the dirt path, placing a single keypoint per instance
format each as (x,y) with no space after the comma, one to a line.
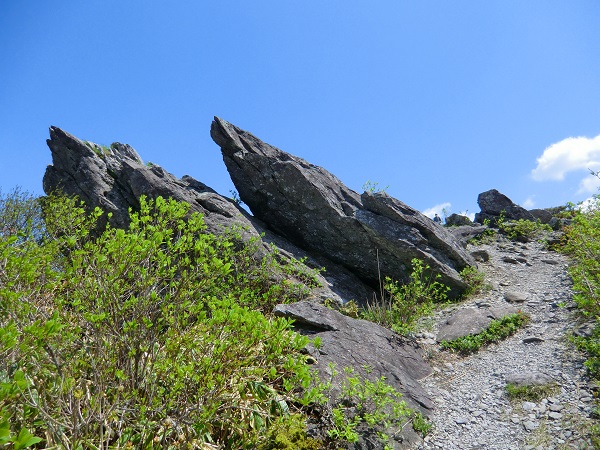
(473,410)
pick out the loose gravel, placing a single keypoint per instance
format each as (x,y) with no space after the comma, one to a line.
(473,410)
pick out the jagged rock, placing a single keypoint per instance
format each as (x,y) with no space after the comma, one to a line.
(457,220)
(467,232)
(557,223)
(373,351)
(471,321)
(543,215)
(493,204)
(114,178)
(370,234)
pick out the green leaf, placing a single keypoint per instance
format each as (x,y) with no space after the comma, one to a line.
(25,439)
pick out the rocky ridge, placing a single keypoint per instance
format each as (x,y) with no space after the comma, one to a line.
(305,211)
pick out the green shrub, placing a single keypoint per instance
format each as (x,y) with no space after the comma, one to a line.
(289,433)
(495,332)
(583,245)
(522,229)
(474,279)
(143,337)
(531,393)
(371,404)
(401,305)
(20,214)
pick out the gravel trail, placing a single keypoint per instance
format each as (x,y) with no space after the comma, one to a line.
(473,410)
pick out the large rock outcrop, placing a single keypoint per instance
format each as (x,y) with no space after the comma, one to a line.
(114,178)
(370,234)
(494,203)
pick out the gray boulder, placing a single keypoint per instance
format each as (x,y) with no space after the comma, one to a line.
(457,220)
(529,379)
(371,350)
(471,321)
(543,215)
(114,178)
(372,234)
(493,204)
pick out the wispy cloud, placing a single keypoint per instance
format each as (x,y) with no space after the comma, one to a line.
(529,202)
(569,155)
(437,209)
(589,185)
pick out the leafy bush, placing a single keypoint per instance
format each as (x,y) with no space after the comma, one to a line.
(496,331)
(20,213)
(474,279)
(142,337)
(371,404)
(521,229)
(583,245)
(401,305)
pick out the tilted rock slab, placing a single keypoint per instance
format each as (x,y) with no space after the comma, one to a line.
(471,321)
(371,234)
(370,349)
(114,178)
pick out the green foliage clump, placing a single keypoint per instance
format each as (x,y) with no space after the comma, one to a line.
(144,337)
(583,245)
(20,214)
(370,404)
(373,187)
(531,393)
(524,230)
(591,346)
(401,305)
(289,433)
(495,332)
(474,279)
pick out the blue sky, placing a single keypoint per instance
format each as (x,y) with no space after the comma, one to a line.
(437,100)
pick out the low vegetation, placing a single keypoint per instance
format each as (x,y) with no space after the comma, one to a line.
(401,305)
(495,332)
(475,281)
(532,393)
(159,336)
(524,230)
(582,244)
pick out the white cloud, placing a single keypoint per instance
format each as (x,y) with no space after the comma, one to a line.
(568,155)
(589,185)
(529,203)
(589,204)
(469,215)
(437,209)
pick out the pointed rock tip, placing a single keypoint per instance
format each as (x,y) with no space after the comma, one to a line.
(59,133)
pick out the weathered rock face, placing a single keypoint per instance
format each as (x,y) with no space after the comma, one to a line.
(493,204)
(373,352)
(114,178)
(368,233)
(543,215)
(457,220)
